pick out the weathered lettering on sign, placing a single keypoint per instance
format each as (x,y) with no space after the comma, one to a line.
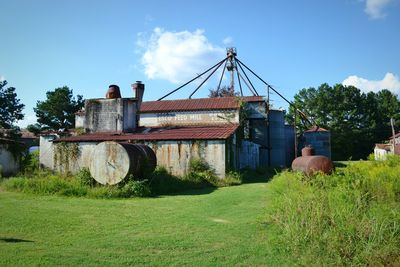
(188,118)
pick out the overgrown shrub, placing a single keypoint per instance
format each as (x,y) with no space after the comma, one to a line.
(136,188)
(30,163)
(198,165)
(200,171)
(85,178)
(351,217)
(162,182)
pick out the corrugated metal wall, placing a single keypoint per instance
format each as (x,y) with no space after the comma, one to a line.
(249,155)
(320,141)
(259,135)
(289,144)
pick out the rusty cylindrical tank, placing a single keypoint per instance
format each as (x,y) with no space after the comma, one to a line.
(310,164)
(113,92)
(112,162)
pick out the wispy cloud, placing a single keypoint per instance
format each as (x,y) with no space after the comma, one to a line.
(177,56)
(2,78)
(390,82)
(374,8)
(228,40)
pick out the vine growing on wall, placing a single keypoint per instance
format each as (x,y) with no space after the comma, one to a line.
(64,153)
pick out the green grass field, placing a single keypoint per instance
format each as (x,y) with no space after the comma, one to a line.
(207,228)
(349,218)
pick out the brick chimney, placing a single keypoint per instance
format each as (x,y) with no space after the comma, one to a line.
(138,91)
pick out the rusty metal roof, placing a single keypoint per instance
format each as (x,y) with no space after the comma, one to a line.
(158,134)
(387,147)
(196,104)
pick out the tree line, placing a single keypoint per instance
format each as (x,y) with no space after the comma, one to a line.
(54,113)
(356,120)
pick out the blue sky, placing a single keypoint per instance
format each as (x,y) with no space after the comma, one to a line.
(89,44)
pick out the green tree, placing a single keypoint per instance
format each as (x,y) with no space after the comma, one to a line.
(222,92)
(58,110)
(34,128)
(356,120)
(10,106)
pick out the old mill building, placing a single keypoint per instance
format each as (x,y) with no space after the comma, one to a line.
(228,133)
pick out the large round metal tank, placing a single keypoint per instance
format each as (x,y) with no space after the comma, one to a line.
(312,164)
(112,162)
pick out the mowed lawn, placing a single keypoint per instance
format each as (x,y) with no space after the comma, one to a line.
(205,227)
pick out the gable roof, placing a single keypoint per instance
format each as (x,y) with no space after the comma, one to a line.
(196,104)
(157,134)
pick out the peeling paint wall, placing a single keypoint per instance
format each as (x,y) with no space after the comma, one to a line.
(49,158)
(70,163)
(173,155)
(110,115)
(176,155)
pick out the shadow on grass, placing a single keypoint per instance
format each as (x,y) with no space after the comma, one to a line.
(164,183)
(259,175)
(340,164)
(14,240)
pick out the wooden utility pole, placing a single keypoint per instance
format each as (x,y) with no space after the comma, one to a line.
(393,135)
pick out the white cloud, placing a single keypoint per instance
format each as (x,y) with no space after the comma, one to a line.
(28,119)
(177,56)
(374,8)
(2,78)
(228,40)
(390,82)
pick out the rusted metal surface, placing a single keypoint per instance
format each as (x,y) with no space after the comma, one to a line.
(217,103)
(162,133)
(307,151)
(113,92)
(310,164)
(112,162)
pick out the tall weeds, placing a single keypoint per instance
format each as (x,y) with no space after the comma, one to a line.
(351,217)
